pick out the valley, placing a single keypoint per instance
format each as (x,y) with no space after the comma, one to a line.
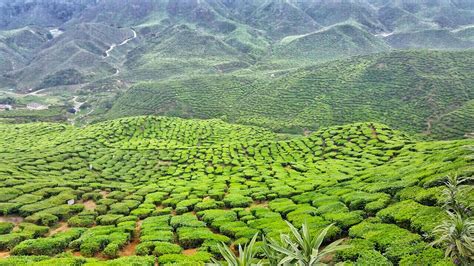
(236,133)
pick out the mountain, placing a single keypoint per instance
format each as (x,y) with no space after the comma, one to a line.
(240,60)
(81,48)
(431,39)
(339,41)
(226,36)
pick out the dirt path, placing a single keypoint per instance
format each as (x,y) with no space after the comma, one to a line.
(190,252)
(63,227)
(113,46)
(374,131)
(5,254)
(129,250)
(36,93)
(89,205)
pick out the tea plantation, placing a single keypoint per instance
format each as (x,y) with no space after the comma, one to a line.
(149,189)
(426,92)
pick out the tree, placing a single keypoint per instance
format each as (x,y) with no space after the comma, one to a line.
(304,249)
(246,255)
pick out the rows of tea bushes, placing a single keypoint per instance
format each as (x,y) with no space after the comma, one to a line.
(403,89)
(172,190)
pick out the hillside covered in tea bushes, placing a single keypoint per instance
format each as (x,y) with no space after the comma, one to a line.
(171,189)
(417,91)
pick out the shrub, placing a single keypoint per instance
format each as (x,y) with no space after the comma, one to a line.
(144,248)
(112,250)
(42,219)
(162,248)
(81,221)
(409,213)
(345,219)
(190,237)
(197,258)
(6,227)
(237,200)
(47,246)
(188,220)
(108,219)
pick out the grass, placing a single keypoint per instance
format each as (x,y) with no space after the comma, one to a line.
(170,184)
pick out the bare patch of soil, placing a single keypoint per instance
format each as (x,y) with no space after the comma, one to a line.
(4,254)
(16,220)
(89,205)
(374,132)
(190,252)
(11,219)
(262,204)
(104,193)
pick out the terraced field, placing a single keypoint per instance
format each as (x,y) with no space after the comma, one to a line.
(168,189)
(407,90)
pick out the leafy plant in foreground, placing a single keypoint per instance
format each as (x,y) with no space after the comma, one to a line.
(453,194)
(304,249)
(246,255)
(457,234)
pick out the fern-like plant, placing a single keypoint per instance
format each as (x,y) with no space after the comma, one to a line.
(302,248)
(246,256)
(457,235)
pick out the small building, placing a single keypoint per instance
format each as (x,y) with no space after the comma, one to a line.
(36,106)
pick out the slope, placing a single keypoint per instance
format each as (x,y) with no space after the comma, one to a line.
(335,42)
(402,89)
(194,190)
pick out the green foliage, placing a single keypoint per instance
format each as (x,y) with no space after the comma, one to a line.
(246,254)
(164,185)
(6,227)
(47,246)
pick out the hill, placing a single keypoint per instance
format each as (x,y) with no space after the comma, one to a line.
(402,89)
(170,39)
(432,39)
(192,184)
(335,42)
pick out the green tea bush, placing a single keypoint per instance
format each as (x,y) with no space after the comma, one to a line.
(81,221)
(47,246)
(108,219)
(198,258)
(363,253)
(162,248)
(192,237)
(42,219)
(188,220)
(411,214)
(237,200)
(6,227)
